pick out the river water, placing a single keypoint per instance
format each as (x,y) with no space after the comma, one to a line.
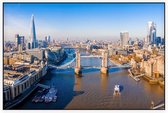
(95,91)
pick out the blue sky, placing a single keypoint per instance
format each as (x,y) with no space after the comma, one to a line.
(82,21)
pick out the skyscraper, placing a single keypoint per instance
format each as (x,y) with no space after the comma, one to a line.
(124,37)
(163,41)
(33,42)
(151,33)
(48,39)
(19,40)
(158,41)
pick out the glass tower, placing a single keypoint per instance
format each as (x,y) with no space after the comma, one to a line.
(33,42)
(124,37)
(151,33)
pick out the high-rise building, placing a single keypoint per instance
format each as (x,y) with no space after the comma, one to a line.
(20,40)
(130,42)
(54,41)
(163,41)
(42,44)
(151,33)
(124,38)
(158,41)
(48,39)
(33,42)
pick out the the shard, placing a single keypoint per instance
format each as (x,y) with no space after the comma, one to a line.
(33,41)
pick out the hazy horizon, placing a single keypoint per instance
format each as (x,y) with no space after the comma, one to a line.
(82,21)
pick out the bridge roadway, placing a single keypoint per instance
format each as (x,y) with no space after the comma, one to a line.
(70,64)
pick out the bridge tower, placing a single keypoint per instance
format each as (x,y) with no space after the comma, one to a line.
(78,66)
(104,66)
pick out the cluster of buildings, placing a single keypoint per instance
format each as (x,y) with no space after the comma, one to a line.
(22,44)
(151,38)
(25,63)
(145,57)
(149,64)
(21,71)
(154,67)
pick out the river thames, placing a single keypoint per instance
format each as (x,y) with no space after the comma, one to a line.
(95,91)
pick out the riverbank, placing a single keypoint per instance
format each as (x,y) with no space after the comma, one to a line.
(21,97)
(28,91)
(62,58)
(115,62)
(95,91)
(154,81)
(31,82)
(55,55)
(132,76)
(150,80)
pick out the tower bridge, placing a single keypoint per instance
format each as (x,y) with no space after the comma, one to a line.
(104,65)
(76,63)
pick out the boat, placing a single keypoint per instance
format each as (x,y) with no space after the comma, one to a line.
(40,95)
(34,99)
(37,99)
(46,95)
(43,97)
(116,90)
(55,99)
(51,95)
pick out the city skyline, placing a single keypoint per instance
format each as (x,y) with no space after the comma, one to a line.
(105,56)
(84,21)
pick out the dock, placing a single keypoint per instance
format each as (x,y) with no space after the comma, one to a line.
(131,75)
(140,75)
(151,80)
(158,106)
(43,86)
(136,79)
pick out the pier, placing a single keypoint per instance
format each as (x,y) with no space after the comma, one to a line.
(138,76)
(158,106)
(43,86)
(131,75)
